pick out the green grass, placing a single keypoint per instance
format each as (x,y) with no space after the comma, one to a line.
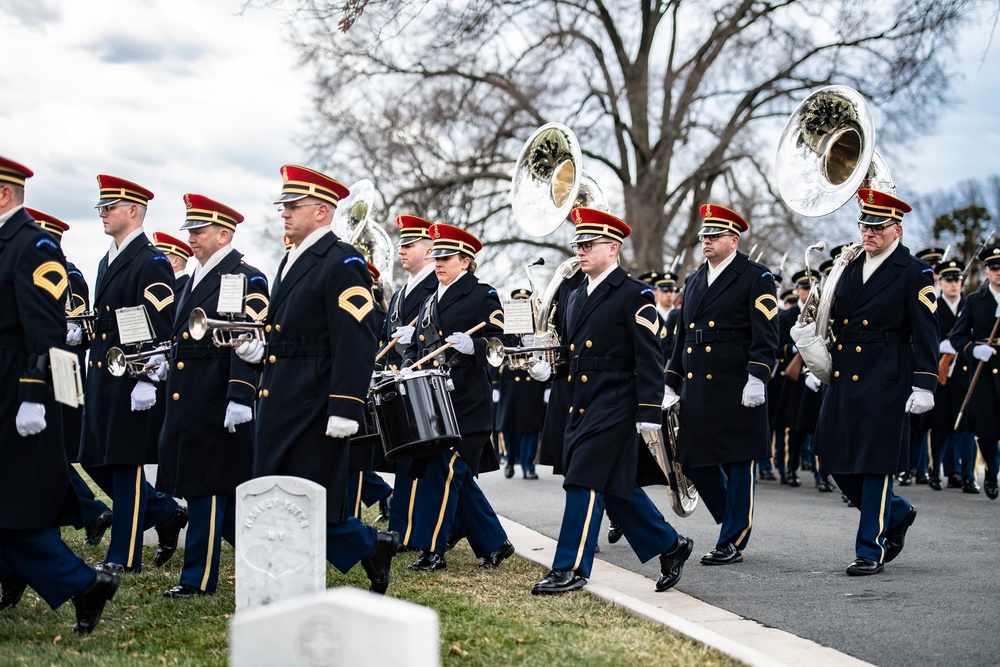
(485,617)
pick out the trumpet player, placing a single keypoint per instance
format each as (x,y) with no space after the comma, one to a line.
(205,446)
(178,253)
(122,419)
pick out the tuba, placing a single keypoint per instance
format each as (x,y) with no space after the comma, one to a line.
(352,221)
(825,154)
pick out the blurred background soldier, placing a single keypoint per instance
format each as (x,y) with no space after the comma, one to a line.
(178,253)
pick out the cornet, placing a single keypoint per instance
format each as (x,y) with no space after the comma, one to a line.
(136,365)
(523,358)
(225,333)
(87,321)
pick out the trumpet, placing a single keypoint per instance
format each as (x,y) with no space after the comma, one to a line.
(523,358)
(136,365)
(87,321)
(225,333)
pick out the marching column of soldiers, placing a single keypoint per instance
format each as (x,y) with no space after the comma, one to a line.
(288,397)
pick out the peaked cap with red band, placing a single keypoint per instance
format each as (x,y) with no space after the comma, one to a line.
(375,272)
(299,182)
(171,245)
(202,211)
(412,229)
(450,240)
(880,207)
(49,223)
(592,223)
(721,220)
(13,173)
(114,189)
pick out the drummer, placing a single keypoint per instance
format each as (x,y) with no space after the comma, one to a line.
(448,491)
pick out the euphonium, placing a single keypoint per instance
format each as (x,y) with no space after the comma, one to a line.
(683,495)
(353,222)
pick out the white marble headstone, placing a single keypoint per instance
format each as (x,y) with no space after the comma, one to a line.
(280,540)
(343,626)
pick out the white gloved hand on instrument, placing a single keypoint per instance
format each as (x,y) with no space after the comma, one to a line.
(946,347)
(645,427)
(250,351)
(74,333)
(158,367)
(404,334)
(541,371)
(983,353)
(803,331)
(461,342)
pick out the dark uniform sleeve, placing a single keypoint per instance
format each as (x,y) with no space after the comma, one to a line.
(922,306)
(763,304)
(243,378)
(675,367)
(963,338)
(352,337)
(41,285)
(644,326)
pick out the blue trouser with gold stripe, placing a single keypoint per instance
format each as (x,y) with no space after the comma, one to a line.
(727,491)
(647,532)
(365,487)
(990,449)
(91,506)
(880,508)
(955,452)
(404,491)
(448,493)
(211,519)
(43,560)
(137,507)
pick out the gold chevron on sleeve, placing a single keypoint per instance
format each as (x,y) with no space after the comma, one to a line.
(928,297)
(357,312)
(54,287)
(762,305)
(75,305)
(260,312)
(648,319)
(159,303)
(496,317)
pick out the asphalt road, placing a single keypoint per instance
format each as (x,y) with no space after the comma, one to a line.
(937,603)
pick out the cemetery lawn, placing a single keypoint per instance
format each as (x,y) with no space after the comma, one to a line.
(486,618)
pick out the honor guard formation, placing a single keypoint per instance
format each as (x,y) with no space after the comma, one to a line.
(874,370)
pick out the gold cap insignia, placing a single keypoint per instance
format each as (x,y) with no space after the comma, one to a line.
(871,197)
(284,174)
(708,211)
(399,223)
(187,201)
(437,232)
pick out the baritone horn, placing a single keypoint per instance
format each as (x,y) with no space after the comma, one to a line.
(225,333)
(683,495)
(353,222)
(137,364)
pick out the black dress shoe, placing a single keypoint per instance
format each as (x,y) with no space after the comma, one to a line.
(614,532)
(672,563)
(768,475)
(991,488)
(934,483)
(896,536)
(863,566)
(784,480)
(904,478)
(96,529)
(530,474)
(384,507)
(793,480)
(970,486)
(457,535)
(723,555)
(13,590)
(168,533)
(378,562)
(807,465)
(428,562)
(116,568)
(405,548)
(559,581)
(508,468)
(183,591)
(954,481)
(90,602)
(922,478)
(493,560)
(824,486)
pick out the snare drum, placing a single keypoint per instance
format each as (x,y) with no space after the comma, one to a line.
(414,414)
(368,431)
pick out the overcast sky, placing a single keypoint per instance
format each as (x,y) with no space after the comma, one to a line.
(194,96)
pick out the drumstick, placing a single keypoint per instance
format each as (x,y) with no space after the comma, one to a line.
(447,345)
(393,342)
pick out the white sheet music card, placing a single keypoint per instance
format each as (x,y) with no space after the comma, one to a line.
(517,317)
(232,292)
(66,381)
(133,325)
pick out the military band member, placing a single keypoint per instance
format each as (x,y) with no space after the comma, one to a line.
(206,442)
(36,495)
(884,369)
(448,494)
(663,304)
(178,253)
(972,331)
(96,515)
(615,387)
(319,338)
(120,431)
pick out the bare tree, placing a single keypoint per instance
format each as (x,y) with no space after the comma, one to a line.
(675,102)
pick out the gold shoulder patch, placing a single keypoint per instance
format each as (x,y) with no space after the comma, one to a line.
(496,317)
(363,295)
(762,305)
(260,312)
(75,304)
(159,295)
(928,297)
(646,317)
(51,277)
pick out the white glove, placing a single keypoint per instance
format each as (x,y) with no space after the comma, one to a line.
(338,427)
(143,396)
(802,331)
(30,418)
(983,352)
(404,334)
(251,351)
(753,393)
(920,401)
(541,371)
(946,347)
(236,414)
(158,364)
(645,427)
(74,333)
(812,382)
(496,395)
(545,396)
(461,342)
(528,340)
(669,391)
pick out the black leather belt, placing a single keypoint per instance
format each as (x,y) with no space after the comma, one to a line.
(303,349)
(599,364)
(874,337)
(699,336)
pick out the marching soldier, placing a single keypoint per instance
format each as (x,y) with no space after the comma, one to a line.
(319,338)
(120,432)
(178,253)
(36,495)
(725,351)
(884,369)
(206,442)
(971,337)
(614,381)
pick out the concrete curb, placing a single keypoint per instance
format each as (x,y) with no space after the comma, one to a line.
(740,638)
